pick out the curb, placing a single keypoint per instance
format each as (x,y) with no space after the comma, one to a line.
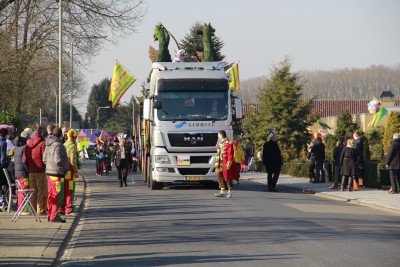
(353,201)
(73,226)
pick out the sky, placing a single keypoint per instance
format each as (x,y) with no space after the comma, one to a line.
(315,34)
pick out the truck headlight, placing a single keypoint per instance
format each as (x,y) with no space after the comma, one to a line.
(162,159)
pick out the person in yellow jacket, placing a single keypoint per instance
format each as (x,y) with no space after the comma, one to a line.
(238,153)
(70,179)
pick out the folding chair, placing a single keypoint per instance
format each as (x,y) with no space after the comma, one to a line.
(8,193)
(27,193)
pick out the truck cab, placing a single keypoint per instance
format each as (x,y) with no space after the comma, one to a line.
(187,104)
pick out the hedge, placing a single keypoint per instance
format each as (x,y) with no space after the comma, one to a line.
(375,174)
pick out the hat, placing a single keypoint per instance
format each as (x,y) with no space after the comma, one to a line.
(180,53)
(272,133)
(121,136)
(72,134)
(27,132)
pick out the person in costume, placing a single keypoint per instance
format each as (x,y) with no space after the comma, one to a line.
(99,153)
(107,157)
(56,160)
(225,165)
(122,158)
(238,154)
(67,206)
(272,160)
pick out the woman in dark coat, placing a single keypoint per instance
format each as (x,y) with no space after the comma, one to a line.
(348,165)
(20,168)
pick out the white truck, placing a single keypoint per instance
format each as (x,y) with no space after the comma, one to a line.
(186,105)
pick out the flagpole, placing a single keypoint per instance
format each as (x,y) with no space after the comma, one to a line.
(237,62)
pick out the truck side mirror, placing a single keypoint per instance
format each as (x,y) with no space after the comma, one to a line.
(238,108)
(157,104)
(146,109)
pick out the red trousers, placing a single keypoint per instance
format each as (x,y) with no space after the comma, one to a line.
(24,185)
(55,196)
(69,185)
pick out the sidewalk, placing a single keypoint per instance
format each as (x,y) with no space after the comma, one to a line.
(30,243)
(374,198)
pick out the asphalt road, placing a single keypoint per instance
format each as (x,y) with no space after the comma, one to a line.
(188,226)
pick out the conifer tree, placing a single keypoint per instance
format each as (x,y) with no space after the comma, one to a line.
(392,126)
(345,124)
(193,44)
(282,108)
(98,97)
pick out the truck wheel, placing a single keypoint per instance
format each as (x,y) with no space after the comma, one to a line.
(156,185)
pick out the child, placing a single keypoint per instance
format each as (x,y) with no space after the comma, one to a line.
(243,165)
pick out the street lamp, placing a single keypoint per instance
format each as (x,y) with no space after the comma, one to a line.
(97,118)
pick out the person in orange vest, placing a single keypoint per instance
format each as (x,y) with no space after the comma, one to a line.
(70,179)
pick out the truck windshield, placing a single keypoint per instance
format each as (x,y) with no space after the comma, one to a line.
(193,105)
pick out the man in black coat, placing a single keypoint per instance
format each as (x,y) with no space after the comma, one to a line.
(318,149)
(393,163)
(122,157)
(272,160)
(337,152)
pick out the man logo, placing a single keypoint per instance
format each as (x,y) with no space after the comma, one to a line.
(193,140)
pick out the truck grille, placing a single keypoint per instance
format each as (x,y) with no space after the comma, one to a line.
(193,171)
(193,139)
(199,159)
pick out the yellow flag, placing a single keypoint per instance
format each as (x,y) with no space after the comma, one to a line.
(120,82)
(233,72)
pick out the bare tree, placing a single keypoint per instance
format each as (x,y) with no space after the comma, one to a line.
(29,42)
(355,83)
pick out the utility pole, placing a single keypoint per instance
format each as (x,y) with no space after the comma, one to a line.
(72,84)
(60,62)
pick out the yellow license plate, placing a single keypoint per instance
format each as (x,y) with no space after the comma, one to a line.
(195,178)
